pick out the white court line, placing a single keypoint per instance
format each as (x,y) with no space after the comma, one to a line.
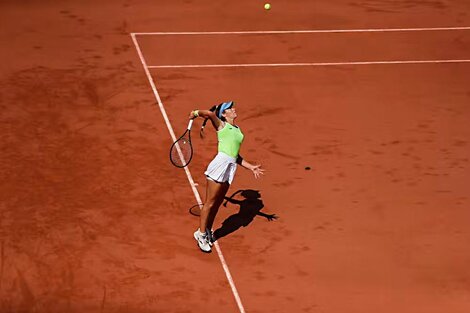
(188,173)
(310,64)
(312,31)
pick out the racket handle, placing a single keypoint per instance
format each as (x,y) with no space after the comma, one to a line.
(190,124)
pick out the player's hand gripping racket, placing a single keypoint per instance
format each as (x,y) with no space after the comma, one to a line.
(181,151)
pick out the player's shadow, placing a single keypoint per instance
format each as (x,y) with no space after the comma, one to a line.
(250,207)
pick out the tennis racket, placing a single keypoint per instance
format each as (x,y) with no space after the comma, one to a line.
(181,151)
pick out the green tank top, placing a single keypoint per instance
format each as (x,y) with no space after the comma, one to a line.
(230,139)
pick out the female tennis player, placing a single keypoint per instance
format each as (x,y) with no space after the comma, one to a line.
(221,170)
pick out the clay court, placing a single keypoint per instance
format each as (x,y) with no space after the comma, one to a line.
(357,110)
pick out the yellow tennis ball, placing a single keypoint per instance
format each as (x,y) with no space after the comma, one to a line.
(267,6)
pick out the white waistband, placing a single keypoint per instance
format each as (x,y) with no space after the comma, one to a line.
(225,156)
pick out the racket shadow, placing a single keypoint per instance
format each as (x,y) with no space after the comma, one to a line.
(195,210)
(249,207)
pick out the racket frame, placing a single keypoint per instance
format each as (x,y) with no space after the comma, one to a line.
(178,148)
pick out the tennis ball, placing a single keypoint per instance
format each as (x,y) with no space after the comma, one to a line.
(267,6)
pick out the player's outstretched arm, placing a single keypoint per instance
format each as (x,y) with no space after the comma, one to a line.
(256,169)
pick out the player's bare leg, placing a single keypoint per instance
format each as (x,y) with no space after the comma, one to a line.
(202,236)
(217,203)
(213,191)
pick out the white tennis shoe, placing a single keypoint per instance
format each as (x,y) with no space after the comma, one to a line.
(210,236)
(202,241)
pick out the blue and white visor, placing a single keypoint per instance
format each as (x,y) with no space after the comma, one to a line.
(224,106)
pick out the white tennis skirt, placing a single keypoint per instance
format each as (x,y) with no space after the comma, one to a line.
(222,168)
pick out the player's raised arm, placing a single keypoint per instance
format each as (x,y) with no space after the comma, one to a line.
(206,114)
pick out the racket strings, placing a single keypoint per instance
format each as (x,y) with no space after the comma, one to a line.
(181,152)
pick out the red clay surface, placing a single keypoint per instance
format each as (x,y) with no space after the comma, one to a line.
(93,217)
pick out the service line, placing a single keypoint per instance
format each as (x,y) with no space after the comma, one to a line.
(308,31)
(311,64)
